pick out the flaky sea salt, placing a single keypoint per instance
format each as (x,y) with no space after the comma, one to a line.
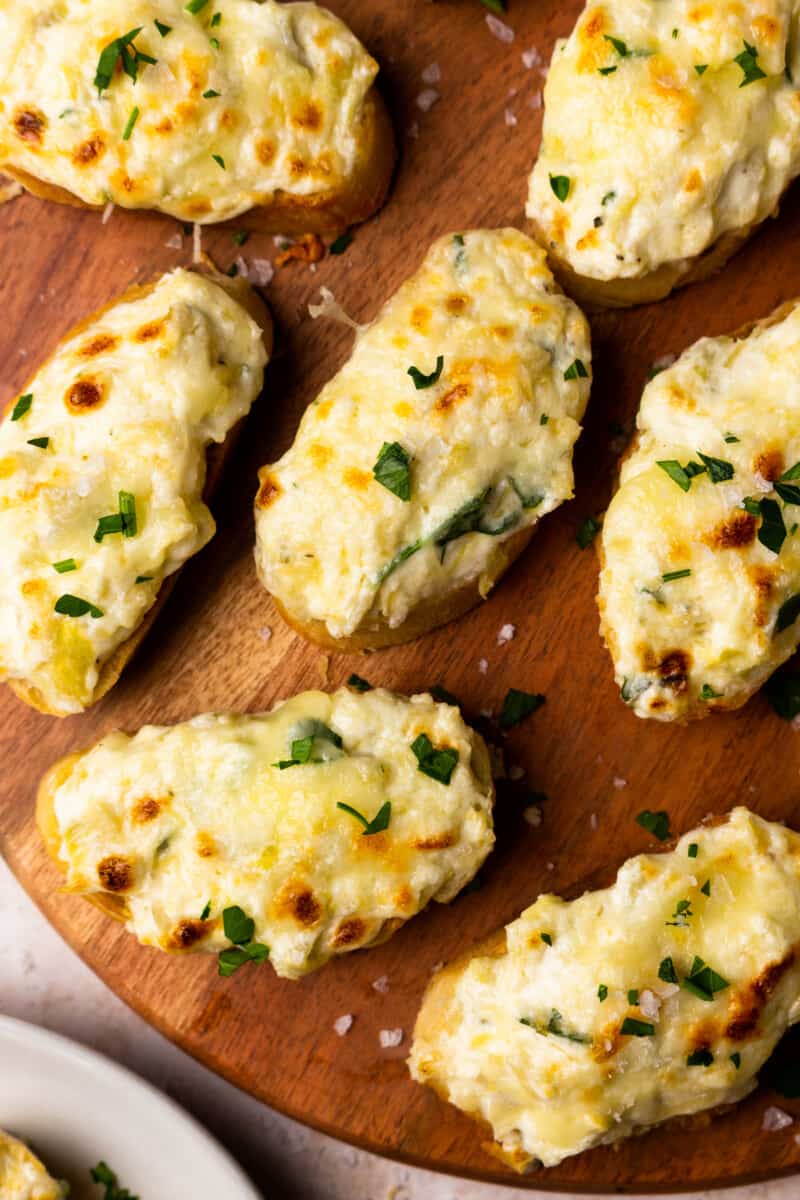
(389,1038)
(427,98)
(649,1003)
(432,73)
(620,783)
(775,1118)
(531,58)
(483,665)
(506,634)
(265,634)
(535,100)
(381,984)
(499,28)
(175,242)
(261,272)
(533,815)
(343,1024)
(509,118)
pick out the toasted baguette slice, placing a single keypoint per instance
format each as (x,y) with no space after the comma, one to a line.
(273,110)
(700,574)
(317,820)
(421,470)
(662,153)
(23,1176)
(658,997)
(122,407)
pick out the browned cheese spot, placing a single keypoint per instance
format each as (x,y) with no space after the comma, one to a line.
(439,841)
(205,845)
(309,116)
(746,1004)
(456,305)
(265,151)
(769,464)
(674,669)
(115,873)
(186,934)
(299,902)
(83,395)
(88,152)
(150,331)
(739,529)
(146,809)
(351,931)
(30,124)
(99,344)
(268,492)
(763,581)
(309,248)
(452,398)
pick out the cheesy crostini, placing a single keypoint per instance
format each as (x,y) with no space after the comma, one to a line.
(326,823)
(102,472)
(202,110)
(671,130)
(22,1176)
(419,472)
(661,996)
(700,581)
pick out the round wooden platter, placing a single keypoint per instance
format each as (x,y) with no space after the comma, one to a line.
(463,163)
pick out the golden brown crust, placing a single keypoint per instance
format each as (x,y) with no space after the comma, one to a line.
(217,456)
(375,634)
(706,708)
(323,212)
(595,294)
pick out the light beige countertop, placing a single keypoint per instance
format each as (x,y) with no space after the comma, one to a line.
(42,981)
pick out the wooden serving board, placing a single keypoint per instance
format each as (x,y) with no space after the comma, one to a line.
(467,166)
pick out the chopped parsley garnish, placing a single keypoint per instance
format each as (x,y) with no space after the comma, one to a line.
(587,532)
(547,938)
(443,696)
(122,48)
(702,981)
(22,406)
(129,125)
(561,185)
(162,28)
(438,764)
(66,564)
(421,380)
(495,6)
(215,20)
(630,1027)
(606,70)
(706,888)
(788,613)
(786,488)
(214,43)
(700,1058)
(195,6)
(239,929)
(302,747)
(656,823)
(602,992)
(519,705)
(206,913)
(123,522)
(748,61)
(543,419)
(783,693)
(555,1027)
(707,693)
(210,94)
(103,1174)
(75,606)
(620,47)
(143,579)
(718,469)
(219,160)
(772,531)
(233,270)
(576,370)
(692,851)
(669,576)
(378,823)
(701,70)
(41,442)
(240,236)
(632,689)
(609,196)
(340,244)
(633,996)
(683,913)
(736,1059)
(392,470)
(676,473)
(730,437)
(666,971)
(358,684)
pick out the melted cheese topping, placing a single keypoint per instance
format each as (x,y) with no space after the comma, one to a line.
(681,646)
(532,1048)
(175,818)
(128,404)
(291,81)
(663,158)
(22,1176)
(493,434)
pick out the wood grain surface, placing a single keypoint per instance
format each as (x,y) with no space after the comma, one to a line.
(598,765)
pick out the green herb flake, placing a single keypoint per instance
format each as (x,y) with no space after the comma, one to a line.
(736,1059)
(162,28)
(238,927)
(378,823)
(75,606)
(561,185)
(206,913)
(700,1058)
(707,693)
(143,579)
(630,1027)
(576,370)
(620,47)
(130,123)
(240,236)
(358,684)
(669,576)
(519,705)
(703,982)
(210,94)
(730,438)
(587,531)
(676,473)
(602,992)
(392,471)
(656,823)
(340,244)
(555,1026)
(442,695)
(682,915)
(66,565)
(547,938)
(692,851)
(772,531)
(783,693)
(41,442)
(633,996)
(22,406)
(543,419)
(195,6)
(213,43)
(120,49)
(706,888)
(701,70)
(606,70)
(667,972)
(219,160)
(718,470)
(609,196)
(438,764)
(215,20)
(748,61)
(103,1175)
(495,6)
(421,380)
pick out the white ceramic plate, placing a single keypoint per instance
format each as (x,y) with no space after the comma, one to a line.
(76,1107)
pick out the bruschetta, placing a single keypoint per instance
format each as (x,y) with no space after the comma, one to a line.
(670,133)
(23,1176)
(422,468)
(203,110)
(102,474)
(322,826)
(700,580)
(661,996)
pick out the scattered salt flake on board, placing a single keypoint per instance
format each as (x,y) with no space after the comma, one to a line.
(506,634)
(261,272)
(516,773)
(509,117)
(381,984)
(282,241)
(483,665)
(413,129)
(531,58)
(197,243)
(427,98)
(330,307)
(499,28)
(343,1024)
(242,267)
(175,242)
(265,634)
(593,821)
(535,100)
(550,866)
(107,211)
(389,1038)
(432,73)
(533,815)
(620,783)
(775,1118)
